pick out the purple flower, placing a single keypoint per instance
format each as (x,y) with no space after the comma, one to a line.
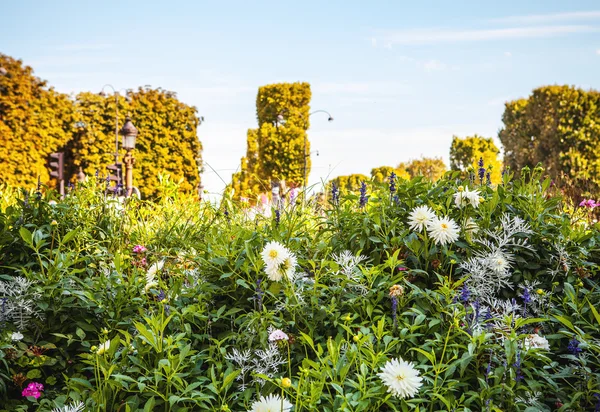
(481,170)
(392,180)
(465,294)
(293,195)
(395,311)
(573,347)
(589,203)
(335,194)
(519,373)
(277,217)
(363,195)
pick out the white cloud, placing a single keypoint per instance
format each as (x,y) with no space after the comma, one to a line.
(439,36)
(550,18)
(507,54)
(598,51)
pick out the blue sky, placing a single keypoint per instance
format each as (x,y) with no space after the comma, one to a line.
(399,77)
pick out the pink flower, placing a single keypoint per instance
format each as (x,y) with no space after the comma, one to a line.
(139,249)
(402,268)
(278,335)
(589,203)
(34,389)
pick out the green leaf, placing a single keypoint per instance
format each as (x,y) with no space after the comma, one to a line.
(34,374)
(26,236)
(79,332)
(69,236)
(149,406)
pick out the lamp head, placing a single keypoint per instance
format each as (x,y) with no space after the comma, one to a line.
(129,133)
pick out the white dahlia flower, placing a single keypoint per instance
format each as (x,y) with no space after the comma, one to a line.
(271,403)
(420,217)
(401,378)
(274,254)
(443,230)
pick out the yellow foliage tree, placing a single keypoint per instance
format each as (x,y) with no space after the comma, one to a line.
(35,121)
(276,149)
(433,168)
(466,153)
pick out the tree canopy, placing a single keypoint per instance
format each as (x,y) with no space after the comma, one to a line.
(465,154)
(558,126)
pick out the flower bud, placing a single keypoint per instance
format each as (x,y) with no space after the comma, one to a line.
(286,382)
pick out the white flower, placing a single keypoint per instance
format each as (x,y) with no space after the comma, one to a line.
(535,341)
(279,261)
(498,262)
(272,403)
(16,336)
(278,335)
(443,230)
(151,275)
(103,348)
(75,407)
(465,196)
(420,217)
(154,268)
(471,226)
(274,254)
(288,267)
(401,378)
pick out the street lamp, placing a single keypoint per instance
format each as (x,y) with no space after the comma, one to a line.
(329,119)
(281,119)
(116,94)
(129,133)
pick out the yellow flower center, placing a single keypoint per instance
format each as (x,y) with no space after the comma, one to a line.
(444,226)
(400,377)
(273,254)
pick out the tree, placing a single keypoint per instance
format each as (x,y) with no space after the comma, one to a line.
(276,149)
(348,184)
(432,168)
(382,173)
(167,140)
(465,153)
(558,126)
(35,121)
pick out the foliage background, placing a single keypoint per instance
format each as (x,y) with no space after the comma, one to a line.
(36,120)
(558,126)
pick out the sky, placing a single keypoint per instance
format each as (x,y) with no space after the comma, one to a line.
(400,78)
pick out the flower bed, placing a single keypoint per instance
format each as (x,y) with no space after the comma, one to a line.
(406,296)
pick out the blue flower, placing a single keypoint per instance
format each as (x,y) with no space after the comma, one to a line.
(277,217)
(573,347)
(363,195)
(481,170)
(465,294)
(335,194)
(392,180)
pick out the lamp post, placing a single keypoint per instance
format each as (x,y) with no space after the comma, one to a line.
(329,119)
(129,133)
(281,119)
(116,94)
